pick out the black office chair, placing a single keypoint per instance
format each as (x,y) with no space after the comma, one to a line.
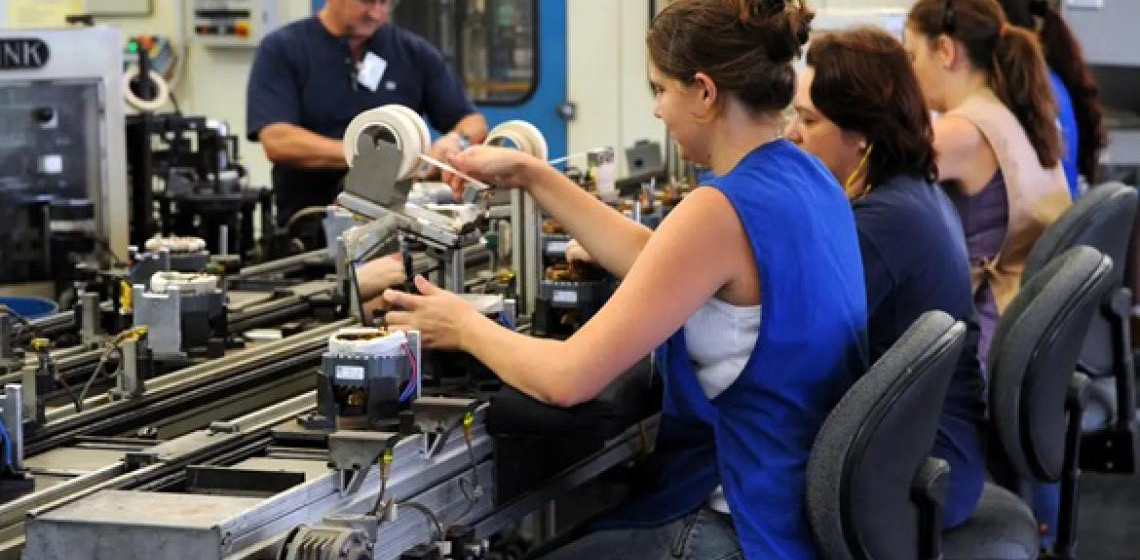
(1102,219)
(1035,403)
(873,492)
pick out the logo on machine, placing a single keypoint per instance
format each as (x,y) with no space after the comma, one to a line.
(19,54)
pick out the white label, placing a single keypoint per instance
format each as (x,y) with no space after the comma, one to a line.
(565,296)
(371,71)
(556,246)
(51,164)
(350,373)
(1092,4)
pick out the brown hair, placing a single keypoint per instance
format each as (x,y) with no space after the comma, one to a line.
(864,83)
(1063,54)
(1010,57)
(745,46)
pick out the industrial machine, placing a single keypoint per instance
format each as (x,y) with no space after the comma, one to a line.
(62,164)
(186,178)
(189,407)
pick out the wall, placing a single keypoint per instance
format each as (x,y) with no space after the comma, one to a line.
(607,78)
(607,65)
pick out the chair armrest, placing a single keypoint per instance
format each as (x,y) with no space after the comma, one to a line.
(929,490)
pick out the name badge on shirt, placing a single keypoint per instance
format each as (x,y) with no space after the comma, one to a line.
(371,71)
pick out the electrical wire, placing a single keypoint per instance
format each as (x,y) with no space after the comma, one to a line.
(386,458)
(7,443)
(429,514)
(114,347)
(413,381)
(71,394)
(24,321)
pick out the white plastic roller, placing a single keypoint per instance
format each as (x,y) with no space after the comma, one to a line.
(525,136)
(398,123)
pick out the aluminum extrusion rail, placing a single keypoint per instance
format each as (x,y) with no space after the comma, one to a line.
(182,387)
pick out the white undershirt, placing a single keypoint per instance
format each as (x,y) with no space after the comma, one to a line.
(720,338)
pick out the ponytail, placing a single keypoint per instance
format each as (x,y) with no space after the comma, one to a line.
(1063,54)
(1011,58)
(1019,78)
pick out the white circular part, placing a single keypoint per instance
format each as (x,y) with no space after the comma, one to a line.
(175,244)
(367,340)
(161,97)
(187,283)
(525,136)
(404,125)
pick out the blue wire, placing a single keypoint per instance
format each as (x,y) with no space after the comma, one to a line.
(7,443)
(504,322)
(410,390)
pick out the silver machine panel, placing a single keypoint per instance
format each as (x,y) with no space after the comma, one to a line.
(63,126)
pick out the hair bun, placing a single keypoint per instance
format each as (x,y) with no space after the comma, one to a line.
(753,13)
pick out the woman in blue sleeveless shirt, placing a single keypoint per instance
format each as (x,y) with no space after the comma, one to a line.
(859,108)
(745,392)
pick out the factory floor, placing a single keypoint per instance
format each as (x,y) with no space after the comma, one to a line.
(1109,519)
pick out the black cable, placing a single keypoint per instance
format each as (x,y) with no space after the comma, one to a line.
(364,320)
(36,332)
(429,514)
(379,497)
(99,369)
(78,405)
(174,102)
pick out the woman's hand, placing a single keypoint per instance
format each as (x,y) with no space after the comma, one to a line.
(379,274)
(439,315)
(576,253)
(500,167)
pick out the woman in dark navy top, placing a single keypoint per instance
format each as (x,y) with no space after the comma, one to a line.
(859,108)
(752,288)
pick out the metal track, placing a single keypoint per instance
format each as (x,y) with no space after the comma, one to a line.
(183,389)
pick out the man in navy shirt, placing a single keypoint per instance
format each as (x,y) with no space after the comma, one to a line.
(311,77)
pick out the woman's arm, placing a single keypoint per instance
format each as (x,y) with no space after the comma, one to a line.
(964,154)
(699,249)
(612,239)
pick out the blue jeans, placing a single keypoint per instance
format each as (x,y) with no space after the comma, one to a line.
(702,535)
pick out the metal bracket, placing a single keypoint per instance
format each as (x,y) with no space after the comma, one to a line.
(136,367)
(352,453)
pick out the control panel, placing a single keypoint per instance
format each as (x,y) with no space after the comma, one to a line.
(233,23)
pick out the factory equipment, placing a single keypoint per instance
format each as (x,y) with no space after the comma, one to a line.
(367,376)
(234,23)
(185,313)
(62,164)
(185,171)
(384,147)
(569,292)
